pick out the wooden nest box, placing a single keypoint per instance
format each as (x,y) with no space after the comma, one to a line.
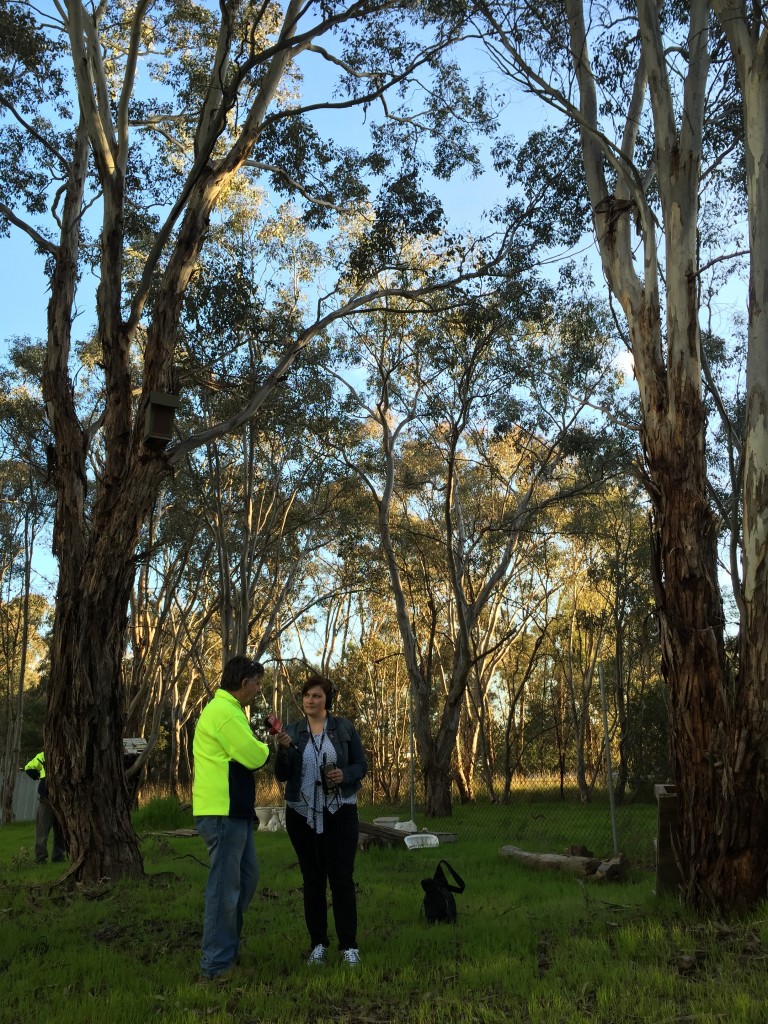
(158,419)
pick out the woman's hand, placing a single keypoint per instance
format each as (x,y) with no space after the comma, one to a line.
(335,775)
(283,739)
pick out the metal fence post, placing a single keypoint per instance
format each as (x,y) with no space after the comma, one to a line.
(608,771)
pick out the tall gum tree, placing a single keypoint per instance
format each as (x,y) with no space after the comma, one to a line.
(743,826)
(466,446)
(226,106)
(718,716)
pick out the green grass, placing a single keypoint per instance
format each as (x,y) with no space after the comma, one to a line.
(529,947)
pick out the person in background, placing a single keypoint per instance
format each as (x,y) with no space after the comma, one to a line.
(322,762)
(226,753)
(45,820)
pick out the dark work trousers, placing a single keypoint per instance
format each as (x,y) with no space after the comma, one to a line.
(328,859)
(46,821)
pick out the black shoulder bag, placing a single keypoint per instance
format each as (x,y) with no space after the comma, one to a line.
(439,903)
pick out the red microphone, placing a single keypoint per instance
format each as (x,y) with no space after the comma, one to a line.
(273,724)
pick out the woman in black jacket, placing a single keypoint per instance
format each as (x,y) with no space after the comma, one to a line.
(321,760)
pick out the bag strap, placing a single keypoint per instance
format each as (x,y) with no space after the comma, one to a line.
(459,881)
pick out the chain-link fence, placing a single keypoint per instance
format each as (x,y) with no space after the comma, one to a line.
(541,815)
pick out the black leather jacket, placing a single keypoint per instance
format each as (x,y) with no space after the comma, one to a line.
(350,756)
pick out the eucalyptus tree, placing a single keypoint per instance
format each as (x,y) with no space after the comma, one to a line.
(24,512)
(533,738)
(469,433)
(577,640)
(493,732)
(123,127)
(371,675)
(745,27)
(614,523)
(247,523)
(383,708)
(516,731)
(605,539)
(670,111)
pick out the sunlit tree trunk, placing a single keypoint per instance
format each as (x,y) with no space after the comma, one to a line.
(718,721)
(734,871)
(668,369)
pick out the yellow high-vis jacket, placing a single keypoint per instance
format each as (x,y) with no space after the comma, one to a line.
(226,754)
(35,769)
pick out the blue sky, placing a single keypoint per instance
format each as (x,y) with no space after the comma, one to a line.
(23,291)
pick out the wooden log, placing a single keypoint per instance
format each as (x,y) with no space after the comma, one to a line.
(582,867)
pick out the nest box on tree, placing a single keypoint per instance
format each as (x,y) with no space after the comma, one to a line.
(158,419)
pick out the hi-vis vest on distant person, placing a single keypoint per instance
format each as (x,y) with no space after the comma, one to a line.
(35,769)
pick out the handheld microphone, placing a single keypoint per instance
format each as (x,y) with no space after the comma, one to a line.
(272,723)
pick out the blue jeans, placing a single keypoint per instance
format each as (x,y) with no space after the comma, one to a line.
(233,875)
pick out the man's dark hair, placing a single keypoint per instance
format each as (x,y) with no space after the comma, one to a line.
(239,669)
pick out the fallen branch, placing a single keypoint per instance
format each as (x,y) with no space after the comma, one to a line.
(583,867)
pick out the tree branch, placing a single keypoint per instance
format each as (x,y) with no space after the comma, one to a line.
(36,237)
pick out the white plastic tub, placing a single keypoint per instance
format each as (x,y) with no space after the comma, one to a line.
(264,814)
(419,840)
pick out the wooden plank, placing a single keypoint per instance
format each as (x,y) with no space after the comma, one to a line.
(184,833)
(391,836)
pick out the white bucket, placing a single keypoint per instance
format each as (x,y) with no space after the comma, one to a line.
(264,814)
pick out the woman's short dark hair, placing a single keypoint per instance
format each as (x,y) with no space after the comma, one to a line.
(325,685)
(237,670)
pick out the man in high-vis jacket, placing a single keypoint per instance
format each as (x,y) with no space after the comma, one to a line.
(226,753)
(45,820)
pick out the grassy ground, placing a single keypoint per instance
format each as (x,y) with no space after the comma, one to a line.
(529,947)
